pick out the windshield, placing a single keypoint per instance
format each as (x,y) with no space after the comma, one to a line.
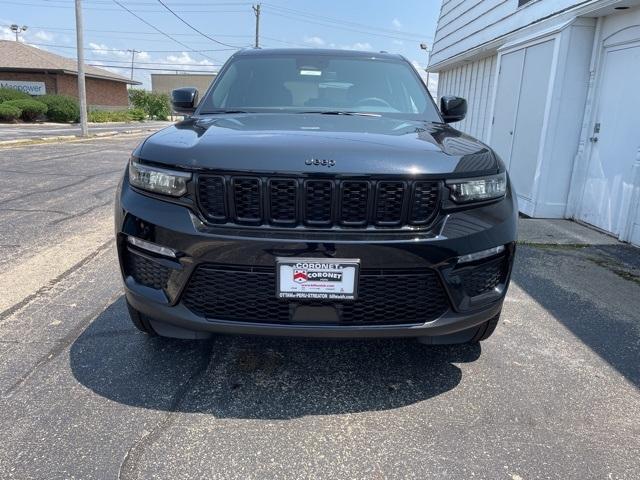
(322,84)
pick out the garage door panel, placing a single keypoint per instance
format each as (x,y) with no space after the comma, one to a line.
(506,103)
(530,117)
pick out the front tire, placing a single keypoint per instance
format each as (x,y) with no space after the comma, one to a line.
(470,336)
(486,329)
(140,321)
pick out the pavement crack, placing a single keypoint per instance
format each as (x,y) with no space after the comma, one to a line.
(84,179)
(60,157)
(131,462)
(34,210)
(80,214)
(37,173)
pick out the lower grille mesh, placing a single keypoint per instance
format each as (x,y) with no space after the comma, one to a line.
(145,271)
(484,278)
(246,295)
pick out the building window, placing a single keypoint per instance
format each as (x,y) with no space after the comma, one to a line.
(523,2)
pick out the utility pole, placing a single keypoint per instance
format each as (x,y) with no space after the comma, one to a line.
(256,10)
(82,92)
(133,56)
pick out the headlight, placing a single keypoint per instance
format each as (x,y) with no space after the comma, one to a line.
(159,180)
(478,189)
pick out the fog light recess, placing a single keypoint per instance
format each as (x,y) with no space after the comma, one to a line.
(490,252)
(151,247)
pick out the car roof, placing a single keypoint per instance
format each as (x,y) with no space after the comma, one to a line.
(318,51)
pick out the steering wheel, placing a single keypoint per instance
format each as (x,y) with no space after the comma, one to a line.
(374,101)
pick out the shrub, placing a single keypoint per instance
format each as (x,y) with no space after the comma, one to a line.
(9,113)
(156,105)
(31,109)
(61,108)
(100,116)
(137,114)
(7,94)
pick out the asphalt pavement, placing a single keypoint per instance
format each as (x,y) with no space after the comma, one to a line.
(38,130)
(553,394)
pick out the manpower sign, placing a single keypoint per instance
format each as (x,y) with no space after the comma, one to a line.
(32,88)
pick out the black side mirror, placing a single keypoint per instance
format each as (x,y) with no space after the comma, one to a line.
(453,108)
(184,100)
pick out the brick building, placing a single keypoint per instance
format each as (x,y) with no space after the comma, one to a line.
(38,72)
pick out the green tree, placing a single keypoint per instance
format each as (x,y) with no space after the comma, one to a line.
(155,105)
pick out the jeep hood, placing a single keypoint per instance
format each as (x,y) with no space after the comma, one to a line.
(283,142)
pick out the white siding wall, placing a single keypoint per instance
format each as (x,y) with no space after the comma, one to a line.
(473,81)
(465,24)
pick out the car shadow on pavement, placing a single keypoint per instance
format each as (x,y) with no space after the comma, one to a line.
(259,377)
(603,313)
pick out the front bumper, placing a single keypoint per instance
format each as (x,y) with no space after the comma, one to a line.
(177,227)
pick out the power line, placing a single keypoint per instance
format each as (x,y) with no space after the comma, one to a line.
(315,16)
(137,33)
(194,28)
(282,41)
(175,34)
(69,6)
(121,67)
(135,3)
(123,50)
(154,63)
(160,31)
(341,27)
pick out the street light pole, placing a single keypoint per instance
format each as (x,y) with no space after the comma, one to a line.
(82,91)
(17,29)
(425,47)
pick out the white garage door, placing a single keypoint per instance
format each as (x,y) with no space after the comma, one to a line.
(523,82)
(610,196)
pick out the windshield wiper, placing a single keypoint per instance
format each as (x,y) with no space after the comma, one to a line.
(343,112)
(221,110)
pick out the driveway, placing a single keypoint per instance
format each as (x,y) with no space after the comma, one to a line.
(39,130)
(553,394)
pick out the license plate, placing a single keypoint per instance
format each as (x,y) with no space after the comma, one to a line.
(317,278)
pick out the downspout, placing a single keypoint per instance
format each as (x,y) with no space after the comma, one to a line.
(581,160)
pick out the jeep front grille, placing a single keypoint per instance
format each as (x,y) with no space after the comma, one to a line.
(317,203)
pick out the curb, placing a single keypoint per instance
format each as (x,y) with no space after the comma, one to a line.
(62,138)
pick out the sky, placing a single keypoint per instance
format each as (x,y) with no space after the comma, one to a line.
(224,26)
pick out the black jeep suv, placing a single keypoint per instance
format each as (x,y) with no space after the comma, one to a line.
(316,193)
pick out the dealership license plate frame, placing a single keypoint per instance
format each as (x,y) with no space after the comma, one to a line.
(286,265)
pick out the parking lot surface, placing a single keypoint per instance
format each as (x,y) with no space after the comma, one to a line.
(553,394)
(38,130)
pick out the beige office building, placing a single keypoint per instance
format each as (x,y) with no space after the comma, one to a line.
(165,82)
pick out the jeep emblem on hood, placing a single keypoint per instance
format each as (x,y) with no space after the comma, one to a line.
(320,162)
